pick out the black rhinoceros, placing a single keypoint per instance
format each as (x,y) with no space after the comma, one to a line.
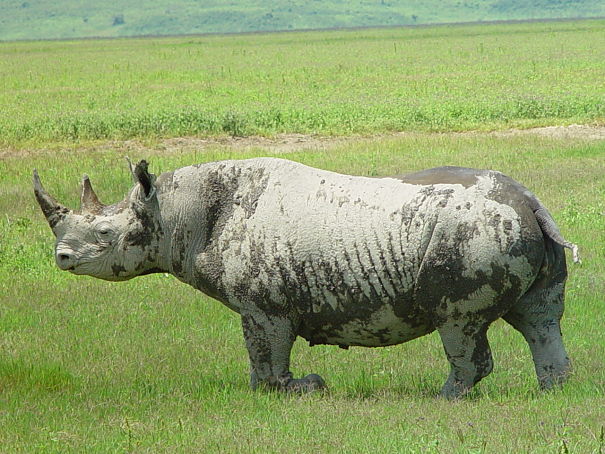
(337,259)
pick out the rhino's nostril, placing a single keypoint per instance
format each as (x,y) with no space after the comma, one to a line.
(65,260)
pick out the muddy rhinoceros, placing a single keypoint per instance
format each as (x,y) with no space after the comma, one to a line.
(337,259)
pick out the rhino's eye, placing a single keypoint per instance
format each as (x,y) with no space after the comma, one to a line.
(104,230)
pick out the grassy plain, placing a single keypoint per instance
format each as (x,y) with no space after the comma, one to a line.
(364,81)
(151,365)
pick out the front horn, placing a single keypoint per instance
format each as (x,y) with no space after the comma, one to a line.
(53,210)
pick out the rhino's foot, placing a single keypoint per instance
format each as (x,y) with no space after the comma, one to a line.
(286,383)
(308,384)
(454,390)
(553,375)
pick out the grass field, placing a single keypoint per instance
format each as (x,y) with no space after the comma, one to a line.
(151,365)
(444,78)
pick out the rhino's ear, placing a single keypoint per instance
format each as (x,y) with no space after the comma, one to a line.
(142,198)
(145,179)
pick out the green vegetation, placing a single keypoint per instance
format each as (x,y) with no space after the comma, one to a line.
(45,19)
(151,365)
(364,81)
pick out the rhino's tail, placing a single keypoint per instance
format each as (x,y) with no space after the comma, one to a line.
(545,221)
(550,229)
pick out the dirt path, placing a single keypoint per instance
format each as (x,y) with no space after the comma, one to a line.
(560,132)
(287,143)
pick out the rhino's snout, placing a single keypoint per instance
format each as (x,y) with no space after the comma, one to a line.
(66,260)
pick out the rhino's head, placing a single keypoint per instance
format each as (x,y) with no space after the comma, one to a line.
(112,242)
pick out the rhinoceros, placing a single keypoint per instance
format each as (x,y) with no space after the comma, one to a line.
(337,259)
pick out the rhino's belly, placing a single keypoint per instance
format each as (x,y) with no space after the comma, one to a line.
(379,328)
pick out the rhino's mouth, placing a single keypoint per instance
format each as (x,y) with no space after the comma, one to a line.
(75,268)
(85,269)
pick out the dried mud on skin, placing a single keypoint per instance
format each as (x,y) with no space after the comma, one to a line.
(289,143)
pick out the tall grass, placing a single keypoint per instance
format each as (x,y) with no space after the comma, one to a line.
(340,82)
(151,365)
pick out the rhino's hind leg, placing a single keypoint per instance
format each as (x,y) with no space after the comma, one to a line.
(269,340)
(537,316)
(546,345)
(470,358)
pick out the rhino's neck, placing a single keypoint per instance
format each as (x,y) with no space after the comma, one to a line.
(195,203)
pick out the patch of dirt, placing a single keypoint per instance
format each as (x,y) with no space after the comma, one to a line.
(288,143)
(560,132)
(282,143)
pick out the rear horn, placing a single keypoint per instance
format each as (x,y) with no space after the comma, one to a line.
(89,202)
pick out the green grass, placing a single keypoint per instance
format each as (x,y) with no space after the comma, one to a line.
(44,19)
(345,82)
(151,365)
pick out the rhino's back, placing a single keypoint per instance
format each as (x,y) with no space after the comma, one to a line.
(332,230)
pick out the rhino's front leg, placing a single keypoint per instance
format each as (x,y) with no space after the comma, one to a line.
(269,339)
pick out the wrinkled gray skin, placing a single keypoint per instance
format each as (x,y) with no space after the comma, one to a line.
(337,259)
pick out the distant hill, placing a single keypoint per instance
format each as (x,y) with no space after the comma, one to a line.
(52,19)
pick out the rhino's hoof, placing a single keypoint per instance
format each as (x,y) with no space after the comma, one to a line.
(308,384)
(454,391)
(554,381)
